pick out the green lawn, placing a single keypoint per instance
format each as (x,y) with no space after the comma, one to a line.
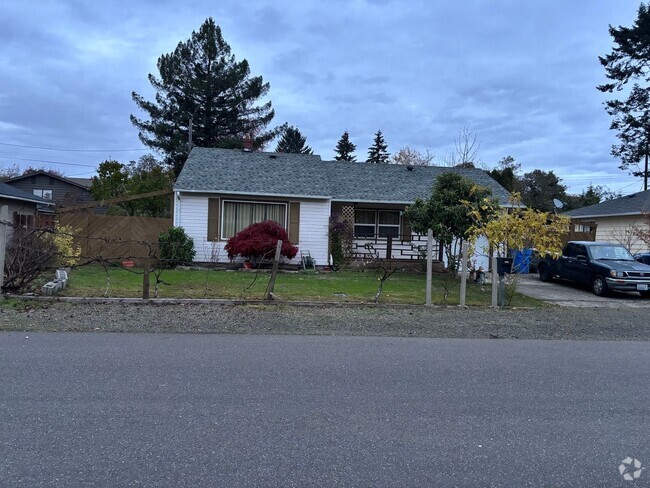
(342,286)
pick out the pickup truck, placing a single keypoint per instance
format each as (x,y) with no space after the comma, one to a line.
(601,265)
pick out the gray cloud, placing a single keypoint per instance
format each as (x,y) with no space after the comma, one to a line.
(522,74)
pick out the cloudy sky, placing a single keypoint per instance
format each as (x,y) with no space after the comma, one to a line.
(521,74)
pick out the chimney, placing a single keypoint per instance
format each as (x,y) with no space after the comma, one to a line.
(248,144)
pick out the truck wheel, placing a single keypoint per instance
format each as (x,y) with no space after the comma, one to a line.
(599,286)
(645,294)
(544,273)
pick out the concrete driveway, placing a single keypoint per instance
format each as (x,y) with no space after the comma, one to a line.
(569,294)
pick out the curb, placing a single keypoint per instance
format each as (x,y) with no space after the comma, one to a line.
(237,302)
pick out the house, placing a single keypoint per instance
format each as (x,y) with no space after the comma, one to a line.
(57,189)
(615,220)
(23,206)
(220,192)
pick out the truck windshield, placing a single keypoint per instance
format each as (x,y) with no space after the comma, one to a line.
(615,253)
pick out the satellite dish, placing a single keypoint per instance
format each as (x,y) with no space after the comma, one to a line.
(558,204)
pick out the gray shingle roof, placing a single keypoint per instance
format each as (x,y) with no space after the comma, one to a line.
(8,191)
(236,171)
(636,203)
(84,183)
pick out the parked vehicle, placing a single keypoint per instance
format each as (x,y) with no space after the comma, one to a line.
(603,266)
(643,257)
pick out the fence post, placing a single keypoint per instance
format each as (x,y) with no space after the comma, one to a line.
(495,282)
(463,272)
(145,280)
(389,247)
(4,221)
(274,272)
(429,265)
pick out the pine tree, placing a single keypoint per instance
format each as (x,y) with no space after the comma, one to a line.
(630,61)
(293,142)
(377,153)
(201,81)
(345,149)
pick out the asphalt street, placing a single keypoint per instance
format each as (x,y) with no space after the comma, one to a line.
(100,410)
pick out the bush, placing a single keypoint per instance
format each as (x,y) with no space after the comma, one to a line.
(176,247)
(32,252)
(340,242)
(260,240)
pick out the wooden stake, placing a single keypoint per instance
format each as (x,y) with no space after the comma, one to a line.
(145,280)
(4,222)
(274,272)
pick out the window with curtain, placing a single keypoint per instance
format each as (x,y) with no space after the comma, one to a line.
(388,223)
(239,215)
(364,223)
(381,223)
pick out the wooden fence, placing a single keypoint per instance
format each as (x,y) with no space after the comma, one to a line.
(115,238)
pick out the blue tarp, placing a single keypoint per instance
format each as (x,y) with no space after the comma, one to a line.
(522,259)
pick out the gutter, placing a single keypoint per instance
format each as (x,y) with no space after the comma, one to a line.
(244,193)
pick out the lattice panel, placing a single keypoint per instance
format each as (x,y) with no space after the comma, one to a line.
(347,213)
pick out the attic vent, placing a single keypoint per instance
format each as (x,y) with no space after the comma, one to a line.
(409,167)
(273,156)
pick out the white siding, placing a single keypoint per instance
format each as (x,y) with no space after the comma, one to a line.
(619,230)
(191,213)
(314,223)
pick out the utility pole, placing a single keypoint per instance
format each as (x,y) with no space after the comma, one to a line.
(189,135)
(645,173)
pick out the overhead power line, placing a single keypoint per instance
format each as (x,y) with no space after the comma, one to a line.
(47,161)
(71,150)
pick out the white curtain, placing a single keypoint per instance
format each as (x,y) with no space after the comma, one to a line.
(239,215)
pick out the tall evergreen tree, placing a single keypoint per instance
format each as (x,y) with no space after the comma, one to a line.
(630,61)
(345,149)
(293,142)
(377,153)
(201,81)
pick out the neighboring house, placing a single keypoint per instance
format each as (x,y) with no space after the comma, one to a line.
(56,189)
(220,192)
(615,220)
(22,205)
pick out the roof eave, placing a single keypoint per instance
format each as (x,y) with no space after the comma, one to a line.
(592,216)
(12,197)
(257,194)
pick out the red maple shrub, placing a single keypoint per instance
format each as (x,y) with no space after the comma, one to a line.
(259,240)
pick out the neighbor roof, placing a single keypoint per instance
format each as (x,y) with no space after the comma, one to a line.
(80,182)
(263,173)
(8,191)
(634,204)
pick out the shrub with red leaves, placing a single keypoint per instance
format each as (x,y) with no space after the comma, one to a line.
(260,239)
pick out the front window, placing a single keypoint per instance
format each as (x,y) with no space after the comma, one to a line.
(364,223)
(236,216)
(45,194)
(381,223)
(388,223)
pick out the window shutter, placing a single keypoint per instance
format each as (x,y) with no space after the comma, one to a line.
(294,222)
(214,209)
(405,229)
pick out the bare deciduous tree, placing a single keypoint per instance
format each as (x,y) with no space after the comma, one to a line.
(408,156)
(466,147)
